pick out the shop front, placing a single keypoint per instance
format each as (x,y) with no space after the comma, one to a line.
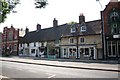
(113,49)
(84,52)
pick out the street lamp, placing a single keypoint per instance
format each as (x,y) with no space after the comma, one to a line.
(103,33)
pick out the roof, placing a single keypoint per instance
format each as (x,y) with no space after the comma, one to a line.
(47,34)
(92,28)
(55,33)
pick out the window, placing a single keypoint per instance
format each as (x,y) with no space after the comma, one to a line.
(82,40)
(71,40)
(20,45)
(15,47)
(86,51)
(114,29)
(10,36)
(27,44)
(65,52)
(119,48)
(34,44)
(83,28)
(114,16)
(72,51)
(73,29)
(42,44)
(32,50)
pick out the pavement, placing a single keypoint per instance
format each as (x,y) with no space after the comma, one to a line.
(103,65)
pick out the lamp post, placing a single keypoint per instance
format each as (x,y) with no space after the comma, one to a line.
(103,33)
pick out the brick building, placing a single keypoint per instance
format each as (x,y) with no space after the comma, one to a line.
(111,30)
(10,39)
(0,43)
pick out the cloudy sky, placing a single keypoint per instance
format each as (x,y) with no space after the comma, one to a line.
(64,11)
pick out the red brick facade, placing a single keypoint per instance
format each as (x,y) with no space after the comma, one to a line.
(105,13)
(10,39)
(111,30)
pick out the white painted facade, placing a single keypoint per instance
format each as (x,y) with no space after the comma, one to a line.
(31,49)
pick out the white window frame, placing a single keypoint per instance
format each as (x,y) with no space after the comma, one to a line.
(70,40)
(65,53)
(83,28)
(81,40)
(73,29)
(111,45)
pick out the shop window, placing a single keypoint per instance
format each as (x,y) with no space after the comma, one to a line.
(65,52)
(114,49)
(109,50)
(81,50)
(42,44)
(27,44)
(119,49)
(15,47)
(86,51)
(20,45)
(34,44)
(72,51)
(32,50)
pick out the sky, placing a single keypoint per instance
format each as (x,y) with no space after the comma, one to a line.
(64,11)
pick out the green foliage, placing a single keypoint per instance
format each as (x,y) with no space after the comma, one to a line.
(40,3)
(6,6)
(72,23)
(4,10)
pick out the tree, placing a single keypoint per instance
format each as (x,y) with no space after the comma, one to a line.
(7,6)
(40,3)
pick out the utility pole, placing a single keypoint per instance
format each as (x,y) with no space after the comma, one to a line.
(77,40)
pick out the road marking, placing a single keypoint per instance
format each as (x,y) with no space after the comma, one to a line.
(2,77)
(51,75)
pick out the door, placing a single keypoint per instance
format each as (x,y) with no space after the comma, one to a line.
(92,53)
(82,53)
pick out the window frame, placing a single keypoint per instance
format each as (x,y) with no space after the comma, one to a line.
(73,29)
(83,28)
(71,40)
(82,40)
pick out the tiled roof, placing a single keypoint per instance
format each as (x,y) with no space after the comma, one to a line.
(55,33)
(48,34)
(92,27)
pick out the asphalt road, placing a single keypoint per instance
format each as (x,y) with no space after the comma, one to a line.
(22,70)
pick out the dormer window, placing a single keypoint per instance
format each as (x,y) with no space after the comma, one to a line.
(83,28)
(73,29)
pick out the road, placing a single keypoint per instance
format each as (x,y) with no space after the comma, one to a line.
(22,70)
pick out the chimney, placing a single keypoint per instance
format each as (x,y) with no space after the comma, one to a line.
(55,22)
(11,25)
(38,27)
(26,30)
(81,18)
